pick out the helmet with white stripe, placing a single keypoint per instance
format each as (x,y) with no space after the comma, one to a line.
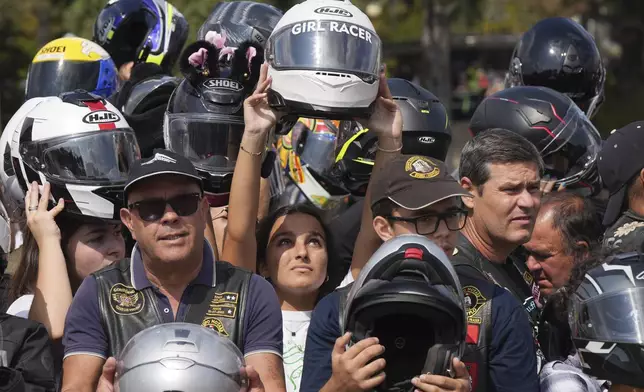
(82,146)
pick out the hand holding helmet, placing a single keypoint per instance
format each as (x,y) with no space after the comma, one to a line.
(386,120)
(354,369)
(259,118)
(432,383)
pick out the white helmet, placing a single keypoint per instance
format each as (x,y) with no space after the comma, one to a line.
(14,195)
(82,146)
(5,230)
(324,58)
(180,357)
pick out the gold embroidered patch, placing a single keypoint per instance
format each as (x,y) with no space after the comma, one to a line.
(125,300)
(421,167)
(215,324)
(223,305)
(474,300)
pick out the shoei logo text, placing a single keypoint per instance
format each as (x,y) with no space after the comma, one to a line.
(223,83)
(316,26)
(426,139)
(333,11)
(101,117)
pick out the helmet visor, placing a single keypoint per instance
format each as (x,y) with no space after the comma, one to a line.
(210,141)
(614,317)
(325,44)
(316,147)
(101,158)
(51,78)
(574,147)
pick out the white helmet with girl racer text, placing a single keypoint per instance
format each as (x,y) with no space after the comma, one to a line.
(81,145)
(324,58)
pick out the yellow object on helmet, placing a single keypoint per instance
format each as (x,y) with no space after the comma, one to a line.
(68,64)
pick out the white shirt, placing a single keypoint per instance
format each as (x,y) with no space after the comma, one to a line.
(295,325)
(21,306)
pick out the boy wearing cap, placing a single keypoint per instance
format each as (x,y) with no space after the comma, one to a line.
(170,277)
(416,195)
(621,166)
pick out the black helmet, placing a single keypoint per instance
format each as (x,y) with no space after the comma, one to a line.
(204,120)
(409,297)
(606,320)
(560,54)
(235,24)
(143,100)
(565,138)
(152,31)
(426,131)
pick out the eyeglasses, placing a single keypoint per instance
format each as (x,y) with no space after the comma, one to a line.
(151,210)
(428,224)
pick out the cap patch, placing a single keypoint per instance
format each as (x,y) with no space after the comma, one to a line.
(421,167)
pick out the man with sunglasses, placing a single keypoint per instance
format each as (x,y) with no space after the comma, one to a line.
(171,277)
(415,194)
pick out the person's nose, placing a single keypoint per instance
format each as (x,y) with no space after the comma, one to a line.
(532,264)
(302,250)
(169,215)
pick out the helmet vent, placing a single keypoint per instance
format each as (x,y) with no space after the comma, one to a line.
(338,75)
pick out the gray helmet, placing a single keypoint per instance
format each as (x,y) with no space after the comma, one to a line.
(180,357)
(409,296)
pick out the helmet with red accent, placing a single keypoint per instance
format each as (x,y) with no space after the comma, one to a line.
(80,144)
(568,142)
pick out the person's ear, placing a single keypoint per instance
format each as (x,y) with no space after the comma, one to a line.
(583,245)
(126,219)
(466,183)
(642,176)
(205,209)
(382,228)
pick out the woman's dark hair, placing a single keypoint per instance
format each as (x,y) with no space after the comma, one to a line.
(24,279)
(266,225)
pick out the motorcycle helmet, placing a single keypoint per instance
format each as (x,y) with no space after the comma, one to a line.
(81,145)
(13,193)
(238,24)
(5,230)
(426,131)
(143,101)
(152,31)
(307,155)
(605,318)
(324,59)
(67,64)
(560,54)
(565,138)
(409,297)
(204,120)
(180,357)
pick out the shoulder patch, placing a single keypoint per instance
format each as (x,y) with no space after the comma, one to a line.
(474,300)
(125,300)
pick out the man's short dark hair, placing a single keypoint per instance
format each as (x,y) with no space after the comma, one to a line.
(576,219)
(498,146)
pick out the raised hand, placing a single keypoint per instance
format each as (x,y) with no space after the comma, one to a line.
(41,222)
(386,120)
(259,118)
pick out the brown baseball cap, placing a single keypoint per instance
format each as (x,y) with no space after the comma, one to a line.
(414,182)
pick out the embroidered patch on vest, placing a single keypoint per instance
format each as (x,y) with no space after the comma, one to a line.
(474,300)
(125,300)
(215,324)
(223,305)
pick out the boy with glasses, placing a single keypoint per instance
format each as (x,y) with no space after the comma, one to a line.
(171,277)
(416,195)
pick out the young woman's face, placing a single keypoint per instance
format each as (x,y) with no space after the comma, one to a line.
(296,256)
(94,246)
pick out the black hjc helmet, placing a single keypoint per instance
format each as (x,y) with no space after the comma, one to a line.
(565,138)
(560,54)
(426,131)
(409,297)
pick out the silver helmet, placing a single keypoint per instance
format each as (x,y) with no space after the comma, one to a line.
(180,357)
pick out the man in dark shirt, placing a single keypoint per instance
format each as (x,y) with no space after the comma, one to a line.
(621,166)
(416,195)
(172,276)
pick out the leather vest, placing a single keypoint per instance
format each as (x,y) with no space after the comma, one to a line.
(478,299)
(514,277)
(126,311)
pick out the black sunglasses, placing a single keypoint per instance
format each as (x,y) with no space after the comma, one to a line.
(428,224)
(153,209)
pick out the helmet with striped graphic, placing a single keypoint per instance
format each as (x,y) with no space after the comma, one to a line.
(68,64)
(605,318)
(307,156)
(81,145)
(151,31)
